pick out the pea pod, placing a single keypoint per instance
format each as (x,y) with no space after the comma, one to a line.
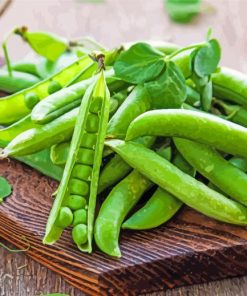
(190,191)
(17,82)
(9,114)
(27,67)
(215,168)
(198,126)
(80,178)
(240,163)
(230,85)
(59,153)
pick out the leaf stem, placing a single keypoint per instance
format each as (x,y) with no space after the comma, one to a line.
(192,46)
(14,250)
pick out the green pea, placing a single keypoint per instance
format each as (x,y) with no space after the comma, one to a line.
(96,105)
(79,234)
(75,202)
(65,217)
(80,217)
(31,99)
(53,87)
(92,124)
(85,156)
(78,187)
(88,140)
(82,172)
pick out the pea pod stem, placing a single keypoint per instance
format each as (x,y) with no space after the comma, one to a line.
(190,191)
(198,126)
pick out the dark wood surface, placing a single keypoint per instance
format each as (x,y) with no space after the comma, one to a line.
(190,249)
(111,22)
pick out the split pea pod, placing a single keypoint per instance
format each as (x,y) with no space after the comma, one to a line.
(190,191)
(230,85)
(16,106)
(122,197)
(215,168)
(17,82)
(198,126)
(161,206)
(76,197)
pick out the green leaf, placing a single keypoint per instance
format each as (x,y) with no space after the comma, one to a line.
(5,189)
(169,90)
(139,64)
(207,58)
(46,44)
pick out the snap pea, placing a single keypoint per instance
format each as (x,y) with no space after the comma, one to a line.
(215,168)
(27,67)
(190,191)
(66,99)
(82,167)
(14,107)
(17,82)
(161,206)
(43,136)
(230,85)
(117,168)
(198,126)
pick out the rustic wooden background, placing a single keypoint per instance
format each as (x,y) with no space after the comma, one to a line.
(112,22)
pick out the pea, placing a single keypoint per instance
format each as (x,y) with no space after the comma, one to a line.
(31,99)
(80,217)
(92,124)
(88,140)
(85,156)
(83,172)
(65,217)
(53,87)
(79,234)
(75,202)
(78,187)
(96,105)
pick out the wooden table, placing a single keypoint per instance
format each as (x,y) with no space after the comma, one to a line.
(112,22)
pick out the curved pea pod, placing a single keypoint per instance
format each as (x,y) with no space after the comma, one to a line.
(161,206)
(230,85)
(135,104)
(17,82)
(82,168)
(117,168)
(215,168)
(59,153)
(184,187)
(8,133)
(43,136)
(27,67)
(198,126)
(14,107)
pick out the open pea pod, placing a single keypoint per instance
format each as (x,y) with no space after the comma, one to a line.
(76,198)
(14,107)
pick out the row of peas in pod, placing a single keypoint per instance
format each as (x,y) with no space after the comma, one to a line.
(132,134)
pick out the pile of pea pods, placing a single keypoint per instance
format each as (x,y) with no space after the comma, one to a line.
(132,134)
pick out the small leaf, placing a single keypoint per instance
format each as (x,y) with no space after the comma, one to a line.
(46,44)
(169,90)
(207,58)
(5,189)
(139,64)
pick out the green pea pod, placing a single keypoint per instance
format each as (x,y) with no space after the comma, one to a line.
(214,167)
(64,100)
(17,82)
(14,107)
(135,104)
(27,67)
(59,153)
(230,85)
(8,133)
(184,187)
(161,206)
(82,168)
(43,136)
(116,169)
(240,163)
(198,126)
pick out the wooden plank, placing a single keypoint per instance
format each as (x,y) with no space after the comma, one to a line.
(190,249)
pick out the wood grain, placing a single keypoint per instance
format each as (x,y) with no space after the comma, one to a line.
(190,249)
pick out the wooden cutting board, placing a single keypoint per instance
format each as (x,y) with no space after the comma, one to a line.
(190,249)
